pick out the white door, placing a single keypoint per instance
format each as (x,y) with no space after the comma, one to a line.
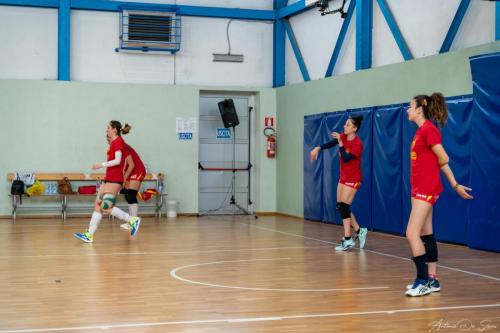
(222,148)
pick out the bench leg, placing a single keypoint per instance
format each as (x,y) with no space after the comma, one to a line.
(159,205)
(14,208)
(64,206)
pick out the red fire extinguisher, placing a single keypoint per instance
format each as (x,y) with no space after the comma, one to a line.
(270,133)
(271,146)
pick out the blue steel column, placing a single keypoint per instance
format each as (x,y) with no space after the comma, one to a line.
(398,37)
(279,35)
(364,24)
(497,20)
(455,24)
(296,50)
(294,9)
(63,50)
(340,39)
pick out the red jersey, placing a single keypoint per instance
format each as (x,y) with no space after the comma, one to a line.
(138,165)
(351,171)
(115,173)
(424,166)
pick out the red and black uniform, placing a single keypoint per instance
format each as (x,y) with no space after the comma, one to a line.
(350,170)
(424,167)
(350,160)
(114,174)
(139,171)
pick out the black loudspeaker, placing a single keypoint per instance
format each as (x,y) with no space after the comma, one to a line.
(228,113)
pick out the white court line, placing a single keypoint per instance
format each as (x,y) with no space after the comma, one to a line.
(250,319)
(376,252)
(18,232)
(41,256)
(173,273)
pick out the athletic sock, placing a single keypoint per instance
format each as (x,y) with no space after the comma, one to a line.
(94,222)
(118,213)
(133,209)
(422,267)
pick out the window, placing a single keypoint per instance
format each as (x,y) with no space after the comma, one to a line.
(150,31)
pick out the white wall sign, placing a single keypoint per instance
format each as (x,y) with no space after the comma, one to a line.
(185,125)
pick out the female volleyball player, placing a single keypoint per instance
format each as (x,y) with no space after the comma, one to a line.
(427,158)
(133,173)
(113,181)
(350,152)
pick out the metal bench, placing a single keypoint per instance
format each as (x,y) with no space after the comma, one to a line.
(62,200)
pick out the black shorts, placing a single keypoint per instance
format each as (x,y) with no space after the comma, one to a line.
(113,182)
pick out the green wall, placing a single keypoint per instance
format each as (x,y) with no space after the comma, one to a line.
(51,126)
(264,193)
(448,73)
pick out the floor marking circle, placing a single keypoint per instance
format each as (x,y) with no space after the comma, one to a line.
(173,273)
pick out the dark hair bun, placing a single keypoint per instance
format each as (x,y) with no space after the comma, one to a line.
(357,121)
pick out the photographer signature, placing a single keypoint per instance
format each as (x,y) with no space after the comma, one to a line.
(462,325)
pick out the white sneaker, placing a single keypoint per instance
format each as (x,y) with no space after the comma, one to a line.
(345,244)
(125,226)
(362,237)
(419,288)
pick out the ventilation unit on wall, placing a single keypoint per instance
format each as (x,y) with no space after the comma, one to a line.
(149,31)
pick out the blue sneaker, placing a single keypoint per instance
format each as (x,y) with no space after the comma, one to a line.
(85,236)
(134,225)
(419,288)
(433,284)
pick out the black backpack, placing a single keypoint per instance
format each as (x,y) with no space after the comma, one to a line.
(17,187)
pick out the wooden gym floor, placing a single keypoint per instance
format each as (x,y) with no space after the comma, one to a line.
(232,274)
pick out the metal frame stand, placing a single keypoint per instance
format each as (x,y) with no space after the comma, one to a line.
(233,169)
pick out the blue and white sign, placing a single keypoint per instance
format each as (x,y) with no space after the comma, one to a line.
(185,136)
(223,133)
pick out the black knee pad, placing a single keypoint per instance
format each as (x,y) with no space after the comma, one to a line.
(131,196)
(344,210)
(430,247)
